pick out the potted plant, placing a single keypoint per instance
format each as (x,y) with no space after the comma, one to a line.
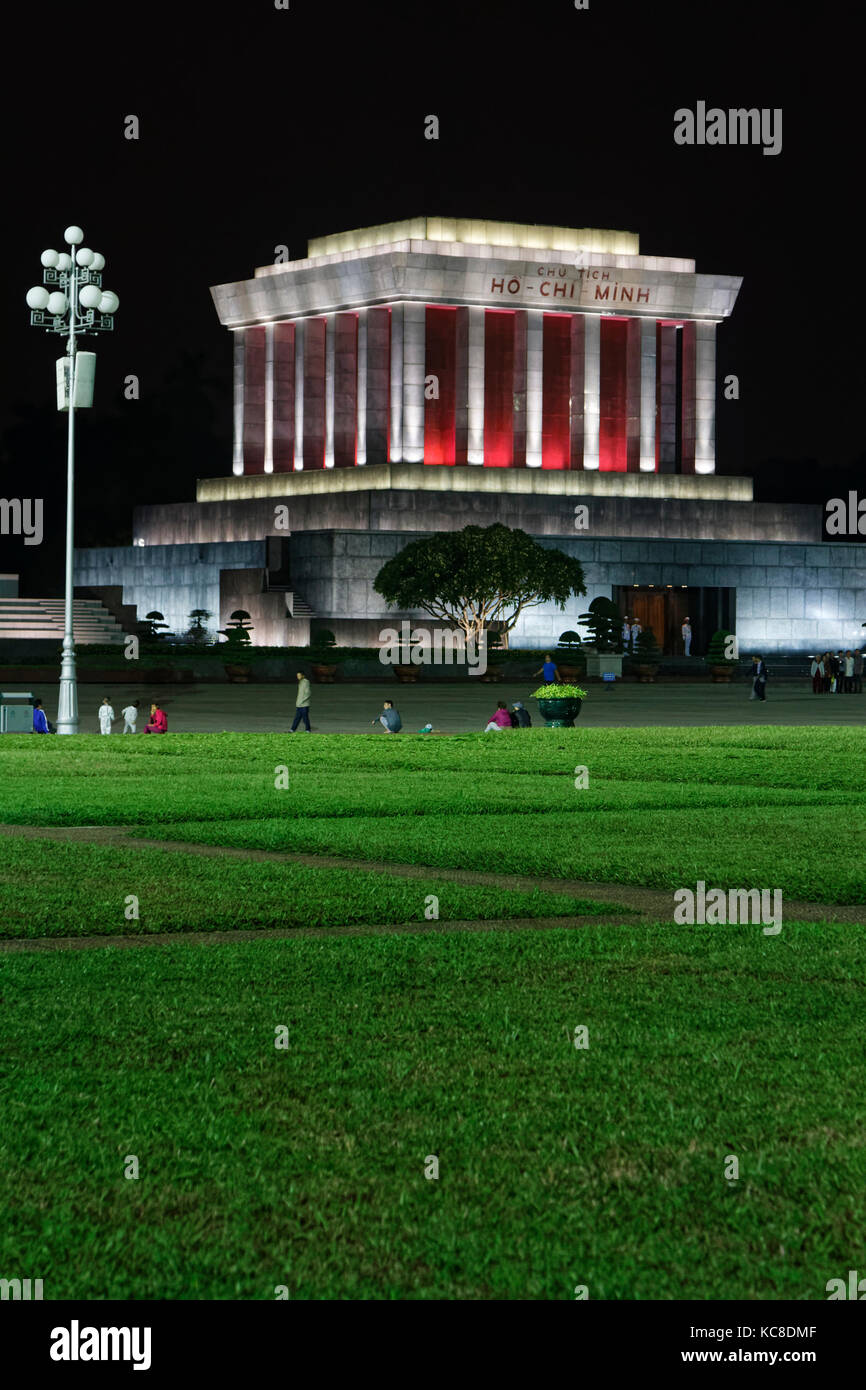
(559,705)
(237,634)
(720,656)
(647,654)
(197,631)
(569,642)
(604,621)
(321,647)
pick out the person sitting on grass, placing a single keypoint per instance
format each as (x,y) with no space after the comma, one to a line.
(520,716)
(500,720)
(157,723)
(389,719)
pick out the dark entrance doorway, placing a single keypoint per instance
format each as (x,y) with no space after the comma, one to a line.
(664,608)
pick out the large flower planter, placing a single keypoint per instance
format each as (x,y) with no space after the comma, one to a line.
(721,675)
(238,675)
(597,664)
(324,674)
(559,714)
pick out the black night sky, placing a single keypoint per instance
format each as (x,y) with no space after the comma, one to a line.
(261,126)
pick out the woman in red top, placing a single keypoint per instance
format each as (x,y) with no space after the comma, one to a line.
(157,723)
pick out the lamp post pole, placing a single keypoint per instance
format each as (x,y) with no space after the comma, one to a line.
(78,304)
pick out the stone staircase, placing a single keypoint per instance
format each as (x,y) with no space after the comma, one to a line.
(34,618)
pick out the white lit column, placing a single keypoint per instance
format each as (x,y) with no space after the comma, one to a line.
(330,350)
(705,398)
(414,349)
(361,438)
(534,385)
(396,384)
(591,389)
(299,393)
(269,398)
(238,442)
(475,374)
(647,395)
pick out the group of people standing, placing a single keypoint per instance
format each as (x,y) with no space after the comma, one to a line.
(837,673)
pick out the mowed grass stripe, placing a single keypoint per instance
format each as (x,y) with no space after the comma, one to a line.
(305,1167)
(54,889)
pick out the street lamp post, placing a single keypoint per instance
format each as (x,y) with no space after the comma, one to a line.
(72,302)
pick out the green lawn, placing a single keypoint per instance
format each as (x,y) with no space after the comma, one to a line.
(304,1167)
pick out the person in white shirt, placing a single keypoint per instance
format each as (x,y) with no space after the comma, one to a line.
(626,632)
(106,716)
(636,630)
(130,714)
(686,630)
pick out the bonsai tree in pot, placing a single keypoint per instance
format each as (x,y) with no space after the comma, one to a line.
(321,648)
(197,631)
(559,704)
(647,655)
(569,642)
(237,634)
(722,656)
(604,621)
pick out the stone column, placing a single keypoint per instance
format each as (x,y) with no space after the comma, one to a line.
(361,455)
(475,375)
(299,393)
(705,398)
(238,442)
(534,385)
(414,352)
(647,395)
(396,455)
(591,389)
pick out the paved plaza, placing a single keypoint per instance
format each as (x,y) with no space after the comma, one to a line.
(459,707)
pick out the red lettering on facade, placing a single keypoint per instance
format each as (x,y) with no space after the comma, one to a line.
(543,287)
(602,294)
(626,293)
(643,295)
(559,289)
(497,285)
(516,283)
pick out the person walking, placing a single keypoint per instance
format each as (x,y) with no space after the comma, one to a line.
(500,720)
(816,671)
(686,630)
(130,715)
(759,679)
(157,723)
(40,719)
(858,673)
(849,673)
(548,670)
(389,718)
(106,716)
(302,703)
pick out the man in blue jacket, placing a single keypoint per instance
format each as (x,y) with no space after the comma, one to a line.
(40,719)
(759,679)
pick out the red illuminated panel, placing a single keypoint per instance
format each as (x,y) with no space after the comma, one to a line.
(345,389)
(314,393)
(612,423)
(632,395)
(578,357)
(378,385)
(284,397)
(254,400)
(498,388)
(689,391)
(666,397)
(440,362)
(556,390)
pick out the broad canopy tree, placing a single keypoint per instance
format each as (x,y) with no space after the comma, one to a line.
(479,577)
